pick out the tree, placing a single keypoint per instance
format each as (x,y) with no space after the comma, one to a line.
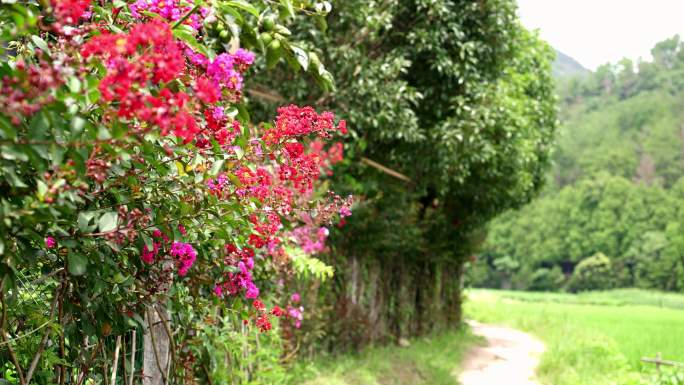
(452,106)
(592,273)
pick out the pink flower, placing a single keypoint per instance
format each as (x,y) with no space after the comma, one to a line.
(50,242)
(342,126)
(295,298)
(243,57)
(345,211)
(252,291)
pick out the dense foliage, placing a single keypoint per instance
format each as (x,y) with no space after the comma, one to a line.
(450,104)
(616,183)
(137,195)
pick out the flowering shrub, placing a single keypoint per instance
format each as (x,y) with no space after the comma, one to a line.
(132,181)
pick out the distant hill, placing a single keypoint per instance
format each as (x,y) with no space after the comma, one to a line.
(565,66)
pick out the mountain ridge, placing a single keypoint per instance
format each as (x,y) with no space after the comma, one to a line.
(565,66)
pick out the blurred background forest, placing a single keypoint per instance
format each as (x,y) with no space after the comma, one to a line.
(612,214)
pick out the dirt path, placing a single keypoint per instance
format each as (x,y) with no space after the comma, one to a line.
(509,357)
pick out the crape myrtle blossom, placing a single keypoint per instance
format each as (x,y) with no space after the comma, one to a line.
(149,53)
(160,88)
(69,13)
(50,242)
(185,256)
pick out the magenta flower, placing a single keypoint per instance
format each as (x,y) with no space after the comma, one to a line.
(185,256)
(252,291)
(50,242)
(295,298)
(218,290)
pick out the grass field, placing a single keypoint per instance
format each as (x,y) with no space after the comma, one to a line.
(428,361)
(592,338)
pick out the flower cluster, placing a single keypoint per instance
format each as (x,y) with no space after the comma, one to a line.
(153,83)
(50,242)
(226,69)
(184,255)
(25,94)
(235,282)
(70,12)
(294,121)
(330,157)
(148,53)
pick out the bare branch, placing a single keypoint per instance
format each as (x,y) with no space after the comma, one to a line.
(386,170)
(115,364)
(5,337)
(130,379)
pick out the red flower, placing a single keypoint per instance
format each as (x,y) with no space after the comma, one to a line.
(70,11)
(207,91)
(258,305)
(263,323)
(256,241)
(277,311)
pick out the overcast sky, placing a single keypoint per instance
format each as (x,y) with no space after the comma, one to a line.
(595,32)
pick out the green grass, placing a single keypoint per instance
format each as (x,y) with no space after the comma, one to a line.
(618,297)
(431,360)
(593,338)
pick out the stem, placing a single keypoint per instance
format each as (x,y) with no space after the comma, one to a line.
(116,359)
(130,379)
(185,17)
(13,357)
(206,372)
(105,371)
(85,368)
(60,319)
(124,376)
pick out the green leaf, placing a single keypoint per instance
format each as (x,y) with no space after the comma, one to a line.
(41,190)
(321,23)
(40,43)
(39,126)
(76,264)
(289,8)
(74,85)
(301,56)
(103,133)
(244,6)
(239,152)
(216,167)
(108,221)
(190,40)
(13,153)
(84,219)
(8,130)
